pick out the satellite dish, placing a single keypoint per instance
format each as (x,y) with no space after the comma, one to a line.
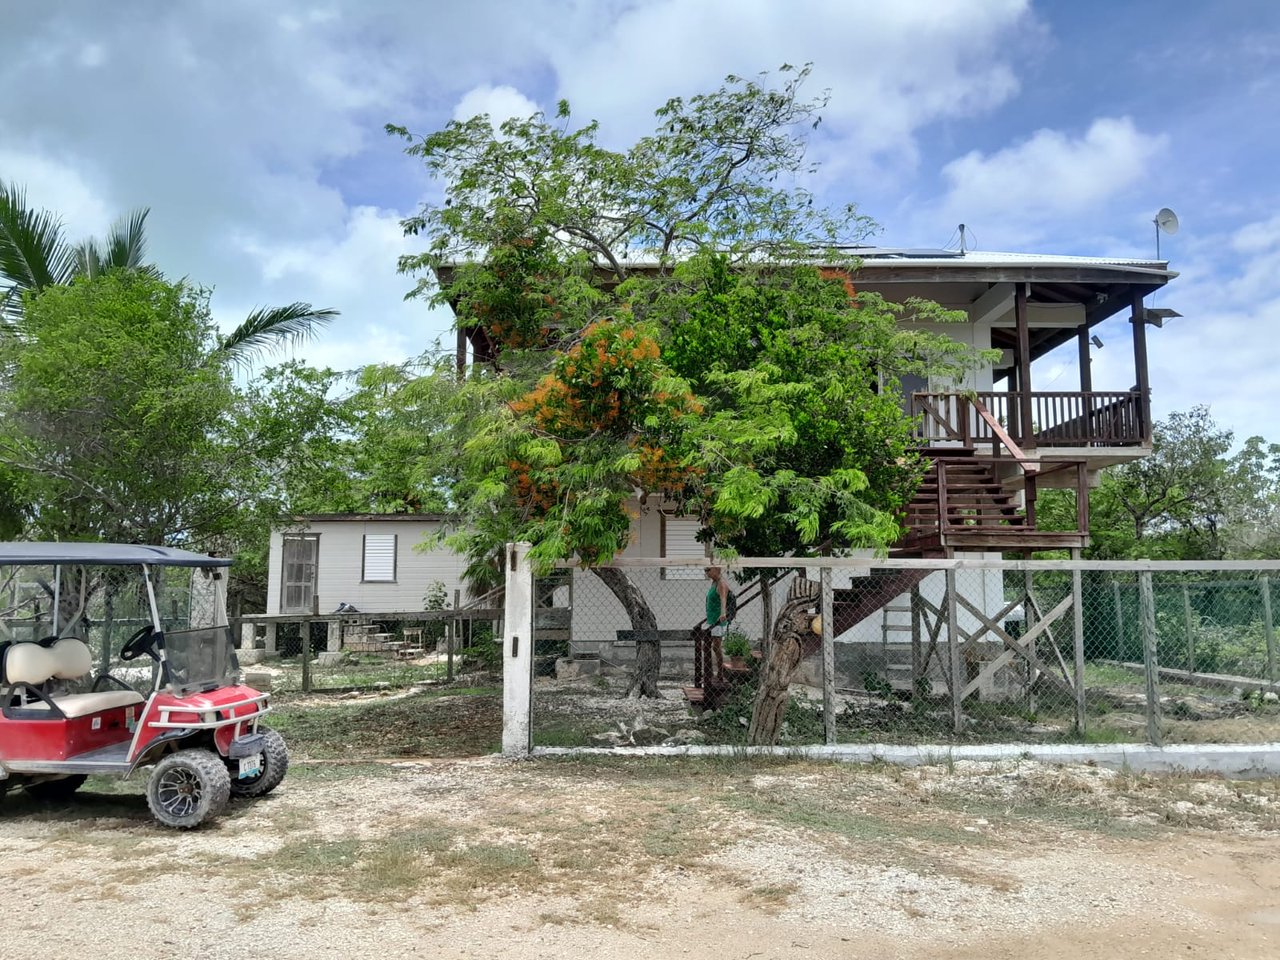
(1166,221)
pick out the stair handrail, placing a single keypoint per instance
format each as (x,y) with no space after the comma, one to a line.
(998,431)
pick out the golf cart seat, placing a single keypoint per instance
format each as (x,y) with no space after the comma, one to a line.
(67,659)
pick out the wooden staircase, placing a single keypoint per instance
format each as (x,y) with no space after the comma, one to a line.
(867,597)
(963,504)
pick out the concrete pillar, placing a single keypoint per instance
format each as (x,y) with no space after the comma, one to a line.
(517,654)
(246,636)
(270,642)
(333,636)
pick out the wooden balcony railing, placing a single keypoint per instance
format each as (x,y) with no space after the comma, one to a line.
(1058,419)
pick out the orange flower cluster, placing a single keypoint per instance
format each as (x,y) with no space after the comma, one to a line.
(531,493)
(603,383)
(658,472)
(830,273)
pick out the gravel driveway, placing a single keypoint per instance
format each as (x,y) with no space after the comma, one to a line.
(606,857)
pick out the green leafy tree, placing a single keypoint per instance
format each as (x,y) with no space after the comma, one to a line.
(728,374)
(1190,499)
(120,420)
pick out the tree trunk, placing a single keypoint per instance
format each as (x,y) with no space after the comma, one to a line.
(785,651)
(644,682)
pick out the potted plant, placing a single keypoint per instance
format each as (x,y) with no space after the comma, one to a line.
(737,648)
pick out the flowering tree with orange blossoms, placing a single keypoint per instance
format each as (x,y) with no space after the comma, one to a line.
(653,322)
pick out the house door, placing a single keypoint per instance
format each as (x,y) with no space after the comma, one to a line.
(298,590)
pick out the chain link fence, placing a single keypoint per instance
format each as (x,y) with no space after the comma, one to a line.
(917,652)
(369,652)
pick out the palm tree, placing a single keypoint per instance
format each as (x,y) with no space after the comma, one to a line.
(34,255)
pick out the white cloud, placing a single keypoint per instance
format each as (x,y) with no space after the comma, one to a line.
(355,273)
(499,103)
(1017,193)
(57,185)
(893,68)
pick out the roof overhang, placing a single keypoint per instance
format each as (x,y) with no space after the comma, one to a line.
(103,554)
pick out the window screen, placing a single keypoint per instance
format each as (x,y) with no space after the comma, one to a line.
(379,557)
(679,540)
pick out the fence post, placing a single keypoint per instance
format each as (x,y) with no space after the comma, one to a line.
(1077,618)
(1271,633)
(1191,637)
(304,650)
(453,635)
(828,658)
(1115,596)
(953,644)
(1029,621)
(1150,661)
(517,653)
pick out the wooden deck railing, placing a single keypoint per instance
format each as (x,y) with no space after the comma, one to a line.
(1059,418)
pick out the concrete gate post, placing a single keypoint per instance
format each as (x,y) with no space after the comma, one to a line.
(517,653)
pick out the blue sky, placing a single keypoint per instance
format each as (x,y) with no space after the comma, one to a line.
(254,132)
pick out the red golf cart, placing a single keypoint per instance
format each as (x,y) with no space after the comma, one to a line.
(184,714)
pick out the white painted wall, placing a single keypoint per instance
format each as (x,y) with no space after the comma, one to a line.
(339,565)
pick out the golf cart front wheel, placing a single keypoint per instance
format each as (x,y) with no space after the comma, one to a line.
(188,787)
(275,761)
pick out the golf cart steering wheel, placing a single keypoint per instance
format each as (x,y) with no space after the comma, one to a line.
(138,644)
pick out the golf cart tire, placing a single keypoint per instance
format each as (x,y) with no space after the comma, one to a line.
(275,763)
(55,791)
(188,787)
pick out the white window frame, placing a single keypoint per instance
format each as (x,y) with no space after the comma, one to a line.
(381,538)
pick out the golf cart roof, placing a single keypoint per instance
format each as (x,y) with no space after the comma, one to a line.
(106,554)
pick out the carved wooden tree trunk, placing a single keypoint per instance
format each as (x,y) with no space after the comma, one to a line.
(785,651)
(644,682)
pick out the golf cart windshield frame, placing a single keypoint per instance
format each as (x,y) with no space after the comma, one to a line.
(145,558)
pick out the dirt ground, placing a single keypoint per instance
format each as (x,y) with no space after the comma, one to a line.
(660,858)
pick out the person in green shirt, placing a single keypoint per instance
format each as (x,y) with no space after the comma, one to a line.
(717,614)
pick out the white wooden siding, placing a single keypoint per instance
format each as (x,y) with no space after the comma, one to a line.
(339,574)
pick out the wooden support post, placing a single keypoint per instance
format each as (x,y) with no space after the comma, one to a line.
(1191,635)
(1082,498)
(917,616)
(304,638)
(1086,370)
(452,638)
(1028,623)
(1267,625)
(953,644)
(1077,625)
(1150,659)
(828,657)
(1028,438)
(1141,372)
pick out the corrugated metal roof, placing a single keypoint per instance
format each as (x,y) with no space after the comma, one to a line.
(104,554)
